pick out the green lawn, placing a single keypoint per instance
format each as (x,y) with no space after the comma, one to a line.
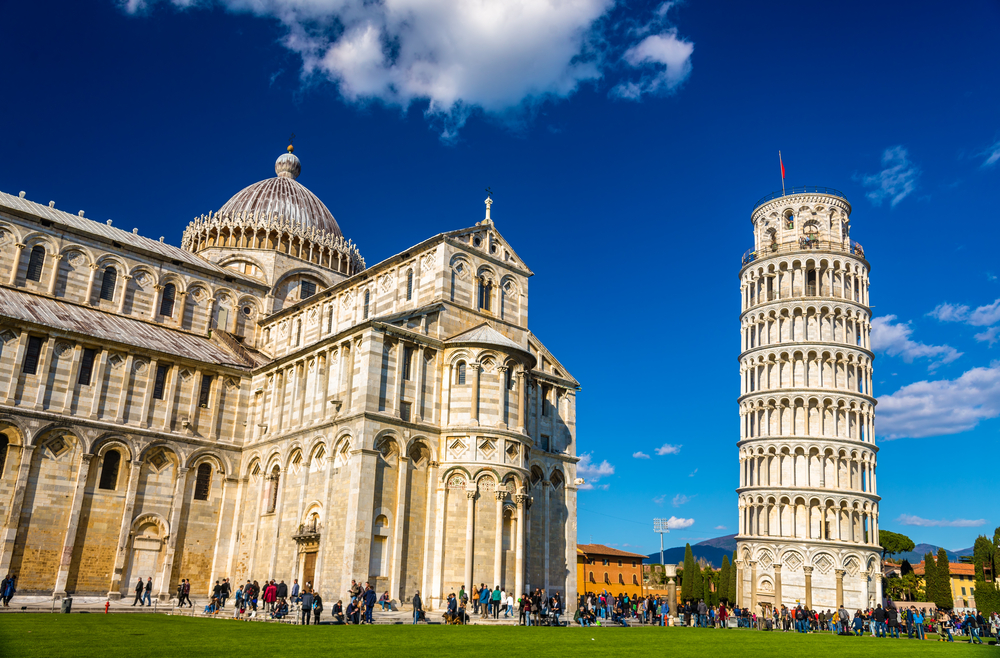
(142,636)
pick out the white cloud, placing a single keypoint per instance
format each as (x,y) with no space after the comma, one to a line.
(909,519)
(720,527)
(983,316)
(675,523)
(668,449)
(592,472)
(640,455)
(681,499)
(941,407)
(894,339)
(692,473)
(896,181)
(659,500)
(501,57)
(665,60)
(989,336)
(992,155)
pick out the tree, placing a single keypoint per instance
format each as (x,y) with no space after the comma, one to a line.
(987,596)
(707,593)
(930,578)
(697,582)
(732,582)
(893,543)
(944,599)
(687,582)
(905,568)
(723,589)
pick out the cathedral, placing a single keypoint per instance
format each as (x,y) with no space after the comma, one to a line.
(260,403)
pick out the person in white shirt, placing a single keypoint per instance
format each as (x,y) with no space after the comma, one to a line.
(510,606)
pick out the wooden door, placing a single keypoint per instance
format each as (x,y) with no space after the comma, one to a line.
(309,569)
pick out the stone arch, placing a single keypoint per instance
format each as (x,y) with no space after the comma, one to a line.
(203,455)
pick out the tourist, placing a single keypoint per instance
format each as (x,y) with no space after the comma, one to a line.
(295,591)
(525,610)
(555,608)
(338,612)
(138,594)
(892,620)
(227,589)
(317,607)
(147,592)
(495,602)
(353,612)
(281,590)
(483,605)
(918,621)
(385,601)
(702,614)
(418,608)
(509,605)
(859,624)
(187,592)
(306,599)
(270,596)
(973,625)
(451,613)
(369,603)
(280,609)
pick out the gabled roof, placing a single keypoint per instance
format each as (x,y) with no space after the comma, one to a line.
(502,244)
(954,568)
(601,549)
(97,230)
(109,327)
(484,334)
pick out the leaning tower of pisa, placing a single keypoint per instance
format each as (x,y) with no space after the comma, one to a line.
(808,526)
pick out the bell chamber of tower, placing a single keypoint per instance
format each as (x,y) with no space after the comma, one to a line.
(808,503)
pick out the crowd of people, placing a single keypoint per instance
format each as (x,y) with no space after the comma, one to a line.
(531,609)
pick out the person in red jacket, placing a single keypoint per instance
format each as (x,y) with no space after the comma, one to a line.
(270,596)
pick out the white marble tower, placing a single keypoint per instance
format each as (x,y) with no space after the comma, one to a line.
(808,526)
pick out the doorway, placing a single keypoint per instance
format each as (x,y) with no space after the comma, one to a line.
(309,568)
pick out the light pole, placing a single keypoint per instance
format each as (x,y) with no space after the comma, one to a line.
(661,526)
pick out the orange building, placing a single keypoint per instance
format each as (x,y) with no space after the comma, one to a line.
(602,568)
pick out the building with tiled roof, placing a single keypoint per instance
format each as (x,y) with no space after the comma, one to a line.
(260,403)
(601,568)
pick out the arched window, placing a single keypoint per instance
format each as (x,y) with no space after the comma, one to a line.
(109,470)
(485,293)
(635,579)
(607,579)
(460,376)
(367,299)
(203,482)
(306,289)
(108,282)
(35,262)
(621,579)
(3,453)
(167,303)
(409,285)
(592,577)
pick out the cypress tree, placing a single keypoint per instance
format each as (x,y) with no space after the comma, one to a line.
(723,589)
(708,577)
(732,582)
(930,578)
(697,583)
(944,581)
(687,582)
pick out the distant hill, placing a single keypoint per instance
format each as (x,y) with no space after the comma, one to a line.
(713,550)
(918,552)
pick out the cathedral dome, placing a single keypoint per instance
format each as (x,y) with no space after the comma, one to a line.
(284,196)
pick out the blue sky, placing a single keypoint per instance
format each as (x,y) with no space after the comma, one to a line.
(625,145)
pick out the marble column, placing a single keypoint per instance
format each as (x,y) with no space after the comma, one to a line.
(498,540)
(421,370)
(66,558)
(114,593)
(54,277)
(809,587)
(777,586)
(840,587)
(877,577)
(97,383)
(90,285)
(738,565)
(446,395)
(176,508)
(45,362)
(396,575)
(359,515)
(15,371)
(74,374)
(470,515)
(546,487)
(10,526)
(16,265)
(477,370)
(521,500)
(753,586)
(147,396)
(157,295)
(121,300)
(522,402)
(214,573)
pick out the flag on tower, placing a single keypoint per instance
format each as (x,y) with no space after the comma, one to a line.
(782,173)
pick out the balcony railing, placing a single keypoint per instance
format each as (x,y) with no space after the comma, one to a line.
(804,244)
(805,189)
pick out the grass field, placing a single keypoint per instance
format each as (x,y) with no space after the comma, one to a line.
(152,636)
